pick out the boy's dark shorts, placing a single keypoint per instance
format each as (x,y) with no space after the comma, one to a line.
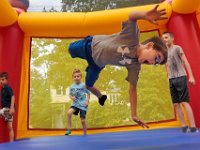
(77,110)
(82,49)
(179,89)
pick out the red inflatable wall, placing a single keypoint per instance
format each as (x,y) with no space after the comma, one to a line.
(187,35)
(11,47)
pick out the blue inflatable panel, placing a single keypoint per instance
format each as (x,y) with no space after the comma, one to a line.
(159,139)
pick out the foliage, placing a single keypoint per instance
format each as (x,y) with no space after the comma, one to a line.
(51,68)
(95,5)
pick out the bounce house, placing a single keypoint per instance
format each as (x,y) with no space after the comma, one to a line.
(18,27)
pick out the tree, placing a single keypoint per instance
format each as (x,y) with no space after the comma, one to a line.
(94,5)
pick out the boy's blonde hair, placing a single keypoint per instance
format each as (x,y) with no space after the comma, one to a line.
(76,71)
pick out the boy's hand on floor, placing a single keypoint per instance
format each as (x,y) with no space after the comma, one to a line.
(140,122)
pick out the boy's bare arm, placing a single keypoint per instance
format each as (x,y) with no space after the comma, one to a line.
(133,102)
(88,97)
(189,70)
(152,15)
(87,100)
(12,106)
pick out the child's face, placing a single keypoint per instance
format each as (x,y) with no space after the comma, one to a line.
(167,39)
(3,81)
(77,77)
(149,55)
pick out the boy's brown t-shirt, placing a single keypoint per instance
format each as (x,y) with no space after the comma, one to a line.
(119,49)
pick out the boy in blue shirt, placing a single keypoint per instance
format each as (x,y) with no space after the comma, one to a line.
(77,93)
(8,103)
(122,49)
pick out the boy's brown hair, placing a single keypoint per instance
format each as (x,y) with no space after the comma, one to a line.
(158,46)
(4,75)
(170,34)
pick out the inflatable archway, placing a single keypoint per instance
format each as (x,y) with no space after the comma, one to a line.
(18,27)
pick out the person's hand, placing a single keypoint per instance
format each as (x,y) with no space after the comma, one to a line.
(86,103)
(192,81)
(12,110)
(73,98)
(154,15)
(140,122)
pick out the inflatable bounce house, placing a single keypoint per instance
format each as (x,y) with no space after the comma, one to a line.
(18,28)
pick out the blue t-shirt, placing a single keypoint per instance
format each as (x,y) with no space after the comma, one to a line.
(79,91)
(6,94)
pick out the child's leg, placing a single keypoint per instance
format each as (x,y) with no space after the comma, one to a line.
(180,114)
(69,118)
(1,111)
(77,49)
(177,89)
(91,77)
(84,126)
(94,90)
(83,121)
(189,113)
(10,131)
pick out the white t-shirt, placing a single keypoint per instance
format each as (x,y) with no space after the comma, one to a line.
(174,63)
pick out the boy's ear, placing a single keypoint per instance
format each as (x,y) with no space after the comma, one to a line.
(149,45)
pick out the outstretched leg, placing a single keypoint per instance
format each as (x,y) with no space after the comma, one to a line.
(91,77)
(95,91)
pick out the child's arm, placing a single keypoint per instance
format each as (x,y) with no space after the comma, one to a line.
(133,102)
(152,15)
(72,97)
(71,94)
(87,100)
(189,70)
(12,106)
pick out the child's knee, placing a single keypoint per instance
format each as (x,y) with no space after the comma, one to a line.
(71,50)
(176,105)
(69,113)
(10,128)
(89,87)
(184,104)
(83,121)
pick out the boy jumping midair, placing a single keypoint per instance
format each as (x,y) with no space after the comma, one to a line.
(122,49)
